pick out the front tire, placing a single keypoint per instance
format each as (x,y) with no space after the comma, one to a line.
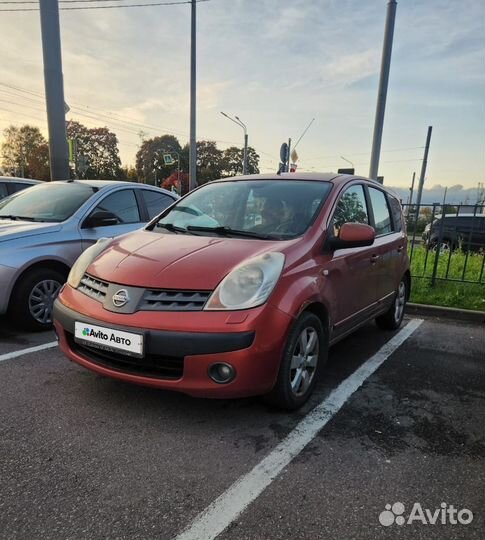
(33,297)
(304,355)
(392,319)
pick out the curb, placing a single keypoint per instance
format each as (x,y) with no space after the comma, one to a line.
(446,312)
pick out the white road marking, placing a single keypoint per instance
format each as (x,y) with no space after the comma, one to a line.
(21,352)
(228,506)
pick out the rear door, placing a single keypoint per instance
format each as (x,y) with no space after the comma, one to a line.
(123,205)
(351,272)
(389,245)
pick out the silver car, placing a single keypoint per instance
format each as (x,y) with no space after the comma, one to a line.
(45,228)
(11,184)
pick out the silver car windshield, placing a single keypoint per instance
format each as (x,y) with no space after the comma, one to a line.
(46,202)
(266,209)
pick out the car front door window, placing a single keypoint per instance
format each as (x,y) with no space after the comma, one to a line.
(122,205)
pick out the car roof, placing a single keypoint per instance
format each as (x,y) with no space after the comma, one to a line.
(335,178)
(19,180)
(97,183)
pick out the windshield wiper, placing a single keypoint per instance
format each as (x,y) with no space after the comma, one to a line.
(20,218)
(171,227)
(227,231)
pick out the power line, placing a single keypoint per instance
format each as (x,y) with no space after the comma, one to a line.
(119,6)
(110,117)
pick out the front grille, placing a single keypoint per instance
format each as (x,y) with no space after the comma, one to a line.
(173,300)
(93,287)
(152,365)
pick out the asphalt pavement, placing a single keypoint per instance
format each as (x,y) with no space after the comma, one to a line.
(86,457)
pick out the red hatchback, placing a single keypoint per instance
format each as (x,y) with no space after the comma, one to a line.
(240,287)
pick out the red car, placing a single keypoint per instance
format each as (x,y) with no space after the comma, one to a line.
(240,287)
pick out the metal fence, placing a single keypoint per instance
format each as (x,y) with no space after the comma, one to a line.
(446,242)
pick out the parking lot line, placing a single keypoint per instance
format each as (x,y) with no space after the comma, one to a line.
(22,352)
(230,504)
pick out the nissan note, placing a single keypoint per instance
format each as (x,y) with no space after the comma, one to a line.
(239,288)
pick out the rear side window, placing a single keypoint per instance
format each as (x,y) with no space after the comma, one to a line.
(351,208)
(13,187)
(382,217)
(123,205)
(396,212)
(3,191)
(155,202)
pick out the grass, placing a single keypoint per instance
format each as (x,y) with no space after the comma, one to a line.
(448,293)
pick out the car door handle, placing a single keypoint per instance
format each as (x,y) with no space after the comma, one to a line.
(374,258)
(400,248)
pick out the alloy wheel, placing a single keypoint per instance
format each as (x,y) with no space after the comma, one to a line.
(41,300)
(304,361)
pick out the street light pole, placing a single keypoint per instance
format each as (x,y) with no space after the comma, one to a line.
(193,143)
(54,89)
(241,124)
(382,93)
(348,161)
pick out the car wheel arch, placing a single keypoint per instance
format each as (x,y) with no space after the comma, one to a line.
(51,264)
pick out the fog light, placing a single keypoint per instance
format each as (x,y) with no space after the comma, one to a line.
(221,373)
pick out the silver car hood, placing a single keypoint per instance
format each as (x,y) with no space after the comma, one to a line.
(11,230)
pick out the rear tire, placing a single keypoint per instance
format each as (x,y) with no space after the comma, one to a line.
(33,297)
(392,319)
(304,355)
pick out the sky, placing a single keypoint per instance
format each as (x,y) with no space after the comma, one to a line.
(276,64)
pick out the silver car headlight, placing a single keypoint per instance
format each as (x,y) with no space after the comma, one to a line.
(84,260)
(249,284)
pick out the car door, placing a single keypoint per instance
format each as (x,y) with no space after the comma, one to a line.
(351,272)
(155,201)
(122,206)
(389,244)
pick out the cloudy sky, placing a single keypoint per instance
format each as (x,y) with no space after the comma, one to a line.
(276,64)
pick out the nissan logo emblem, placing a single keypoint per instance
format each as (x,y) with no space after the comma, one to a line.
(120,298)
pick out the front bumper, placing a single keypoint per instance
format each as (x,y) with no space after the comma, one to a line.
(178,359)
(7,279)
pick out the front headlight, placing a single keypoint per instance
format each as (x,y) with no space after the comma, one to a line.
(249,284)
(85,259)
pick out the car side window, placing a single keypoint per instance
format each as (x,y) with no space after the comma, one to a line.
(13,187)
(155,202)
(396,213)
(351,208)
(3,191)
(122,204)
(382,217)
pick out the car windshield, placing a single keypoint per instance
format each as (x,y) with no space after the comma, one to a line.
(266,209)
(45,202)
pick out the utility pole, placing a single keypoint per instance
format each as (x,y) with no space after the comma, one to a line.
(423,168)
(54,89)
(193,143)
(241,124)
(382,93)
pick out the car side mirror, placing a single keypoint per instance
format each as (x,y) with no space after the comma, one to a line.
(100,218)
(353,235)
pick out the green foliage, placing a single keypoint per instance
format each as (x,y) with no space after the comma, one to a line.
(232,161)
(25,152)
(100,146)
(149,158)
(455,265)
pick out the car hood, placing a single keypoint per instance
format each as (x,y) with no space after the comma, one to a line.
(11,230)
(175,261)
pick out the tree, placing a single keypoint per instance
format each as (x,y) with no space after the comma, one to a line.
(129,174)
(149,158)
(233,161)
(25,152)
(100,147)
(209,162)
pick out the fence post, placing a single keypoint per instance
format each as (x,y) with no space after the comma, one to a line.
(438,248)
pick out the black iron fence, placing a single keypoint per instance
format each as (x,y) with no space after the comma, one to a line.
(446,242)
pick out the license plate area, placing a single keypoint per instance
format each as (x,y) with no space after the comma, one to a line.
(109,339)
